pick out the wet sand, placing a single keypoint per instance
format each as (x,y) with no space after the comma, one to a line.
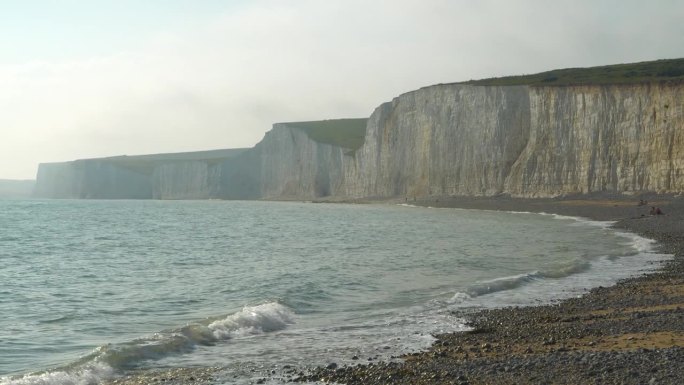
(630,333)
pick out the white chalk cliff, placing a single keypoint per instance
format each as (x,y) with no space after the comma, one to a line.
(454,139)
(524,141)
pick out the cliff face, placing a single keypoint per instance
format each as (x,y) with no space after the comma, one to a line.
(55,180)
(295,166)
(196,175)
(607,138)
(286,164)
(83,179)
(525,141)
(185,180)
(442,140)
(241,176)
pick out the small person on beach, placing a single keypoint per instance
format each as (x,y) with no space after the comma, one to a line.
(642,202)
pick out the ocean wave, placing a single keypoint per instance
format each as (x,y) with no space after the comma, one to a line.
(580,220)
(500,284)
(264,318)
(57,319)
(105,361)
(565,270)
(268,317)
(641,244)
(516,281)
(638,243)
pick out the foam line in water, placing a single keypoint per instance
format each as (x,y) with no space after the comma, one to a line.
(104,361)
(641,244)
(93,373)
(500,284)
(516,281)
(580,220)
(565,270)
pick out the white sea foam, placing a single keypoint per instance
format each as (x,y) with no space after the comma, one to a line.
(93,373)
(515,281)
(263,318)
(641,244)
(580,220)
(499,284)
(459,297)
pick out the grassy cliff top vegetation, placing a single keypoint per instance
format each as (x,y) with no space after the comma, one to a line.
(347,133)
(650,71)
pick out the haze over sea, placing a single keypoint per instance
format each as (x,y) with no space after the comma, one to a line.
(91,290)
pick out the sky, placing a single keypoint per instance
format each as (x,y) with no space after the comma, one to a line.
(95,78)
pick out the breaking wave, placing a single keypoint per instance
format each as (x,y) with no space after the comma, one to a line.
(516,281)
(105,361)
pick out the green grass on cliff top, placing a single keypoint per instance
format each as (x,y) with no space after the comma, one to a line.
(651,71)
(347,133)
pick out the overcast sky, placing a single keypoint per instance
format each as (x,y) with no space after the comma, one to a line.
(93,78)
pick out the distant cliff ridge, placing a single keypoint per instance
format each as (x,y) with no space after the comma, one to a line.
(191,175)
(293,161)
(453,139)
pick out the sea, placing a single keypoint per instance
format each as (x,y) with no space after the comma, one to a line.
(93,290)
